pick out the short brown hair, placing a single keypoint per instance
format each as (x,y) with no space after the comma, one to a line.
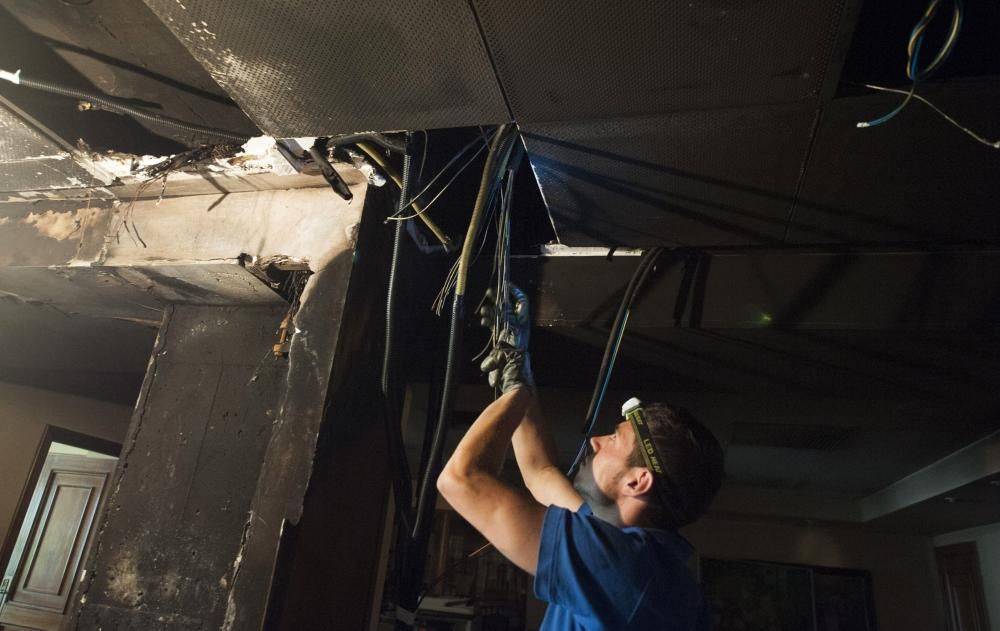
(692,461)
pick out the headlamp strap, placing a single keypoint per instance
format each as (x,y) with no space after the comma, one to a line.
(634,415)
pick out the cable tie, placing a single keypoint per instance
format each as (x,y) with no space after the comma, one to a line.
(13,77)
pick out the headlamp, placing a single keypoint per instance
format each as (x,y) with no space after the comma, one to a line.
(632,411)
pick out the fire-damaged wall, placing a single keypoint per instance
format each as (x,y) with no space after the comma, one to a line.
(220,454)
(168,552)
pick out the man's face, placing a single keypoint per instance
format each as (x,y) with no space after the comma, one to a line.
(601,471)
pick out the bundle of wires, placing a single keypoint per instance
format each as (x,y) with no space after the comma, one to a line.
(411,202)
(914,72)
(639,276)
(496,164)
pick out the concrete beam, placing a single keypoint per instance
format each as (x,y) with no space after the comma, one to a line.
(969,464)
(109,259)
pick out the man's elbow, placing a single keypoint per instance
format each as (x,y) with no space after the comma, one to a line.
(450,483)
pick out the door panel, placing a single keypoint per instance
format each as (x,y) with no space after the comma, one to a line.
(53,539)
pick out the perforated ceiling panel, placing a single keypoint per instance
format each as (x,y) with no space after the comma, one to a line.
(721,177)
(308,67)
(30,161)
(594,59)
(916,178)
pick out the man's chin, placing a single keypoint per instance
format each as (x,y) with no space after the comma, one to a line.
(586,486)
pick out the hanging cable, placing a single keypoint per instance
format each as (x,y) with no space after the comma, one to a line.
(391,172)
(111,105)
(989,143)
(642,270)
(914,72)
(452,278)
(499,151)
(402,486)
(477,140)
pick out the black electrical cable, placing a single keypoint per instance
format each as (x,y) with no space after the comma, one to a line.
(424,506)
(648,258)
(402,488)
(112,105)
(646,264)
(490,179)
(404,190)
(513,159)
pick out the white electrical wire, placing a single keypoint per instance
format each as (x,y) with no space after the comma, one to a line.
(972,134)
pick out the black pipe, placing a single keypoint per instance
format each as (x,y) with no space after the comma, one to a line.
(122,108)
(425,505)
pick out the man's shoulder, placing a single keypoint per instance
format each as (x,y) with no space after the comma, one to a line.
(670,541)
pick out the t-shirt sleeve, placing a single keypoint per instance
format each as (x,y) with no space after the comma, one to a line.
(589,567)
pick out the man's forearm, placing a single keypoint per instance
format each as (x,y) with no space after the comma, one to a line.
(483,447)
(534,447)
(535,451)
(469,482)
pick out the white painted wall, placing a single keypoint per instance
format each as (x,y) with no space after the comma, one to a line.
(987,540)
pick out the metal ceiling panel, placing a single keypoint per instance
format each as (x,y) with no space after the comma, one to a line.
(718,177)
(596,59)
(915,178)
(306,67)
(32,161)
(118,48)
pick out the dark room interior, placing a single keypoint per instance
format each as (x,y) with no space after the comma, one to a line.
(246,245)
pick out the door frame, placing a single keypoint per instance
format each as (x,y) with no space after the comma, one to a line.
(940,554)
(51,434)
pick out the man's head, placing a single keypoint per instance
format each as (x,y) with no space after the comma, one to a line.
(616,483)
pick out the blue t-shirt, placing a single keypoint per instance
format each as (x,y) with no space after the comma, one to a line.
(596,576)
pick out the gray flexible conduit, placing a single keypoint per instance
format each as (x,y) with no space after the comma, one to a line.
(402,488)
(122,108)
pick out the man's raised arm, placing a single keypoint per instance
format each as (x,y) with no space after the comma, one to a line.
(509,368)
(534,449)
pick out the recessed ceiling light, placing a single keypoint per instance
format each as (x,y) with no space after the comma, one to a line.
(950,499)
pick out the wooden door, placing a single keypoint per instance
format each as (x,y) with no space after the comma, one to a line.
(52,539)
(964,598)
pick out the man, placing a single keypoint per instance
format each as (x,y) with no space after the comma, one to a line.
(603,547)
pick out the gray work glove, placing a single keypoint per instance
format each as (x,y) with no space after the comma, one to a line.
(508,365)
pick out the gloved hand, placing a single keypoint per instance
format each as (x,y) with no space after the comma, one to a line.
(508,365)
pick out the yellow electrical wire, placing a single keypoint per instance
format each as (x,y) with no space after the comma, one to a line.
(489,172)
(374,154)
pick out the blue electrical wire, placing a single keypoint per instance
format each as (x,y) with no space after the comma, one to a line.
(620,333)
(913,70)
(646,264)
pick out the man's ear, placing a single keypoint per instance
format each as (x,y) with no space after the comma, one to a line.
(638,482)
